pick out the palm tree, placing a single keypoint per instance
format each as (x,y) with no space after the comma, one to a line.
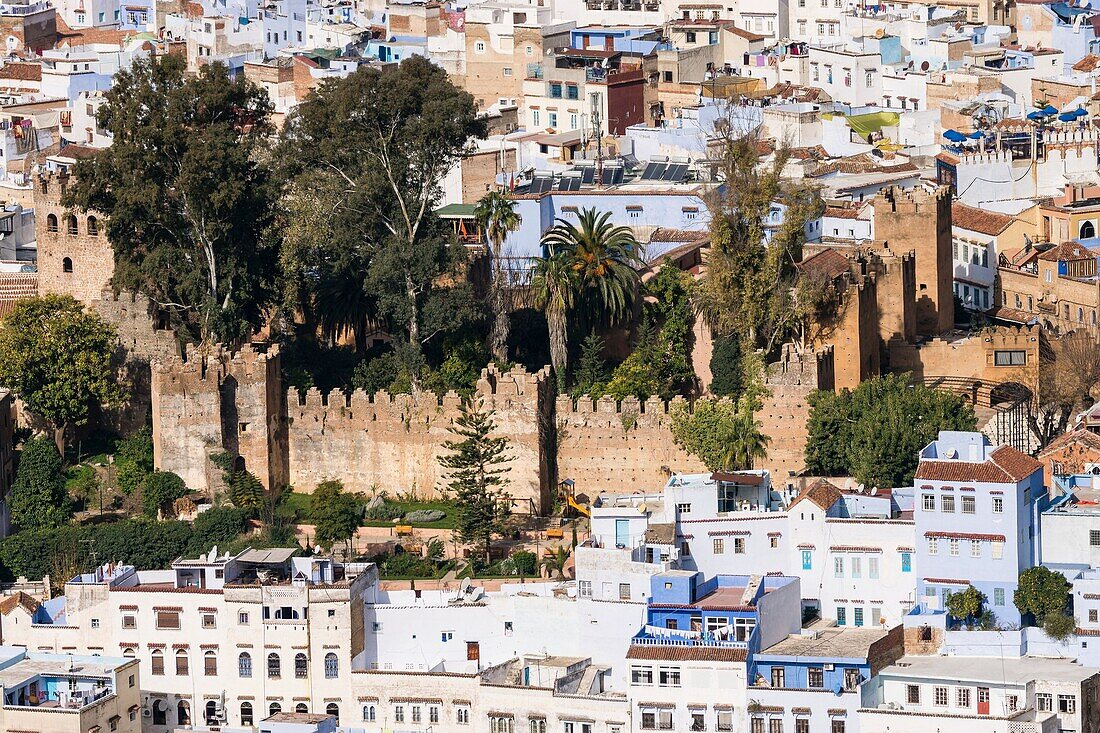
(496,215)
(605,258)
(554,286)
(555,564)
(745,443)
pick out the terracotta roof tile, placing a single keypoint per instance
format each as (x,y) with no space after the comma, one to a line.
(828,264)
(19,598)
(1080,435)
(821,492)
(1088,63)
(1006,465)
(669,653)
(1066,251)
(979,220)
(21,71)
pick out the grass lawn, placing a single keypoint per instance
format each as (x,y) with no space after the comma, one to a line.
(300,504)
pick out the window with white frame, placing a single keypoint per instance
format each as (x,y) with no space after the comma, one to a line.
(584,588)
(939,696)
(1044,702)
(668,677)
(975,548)
(933,546)
(719,546)
(641,675)
(953,547)
(968,505)
(947,503)
(962,697)
(928,502)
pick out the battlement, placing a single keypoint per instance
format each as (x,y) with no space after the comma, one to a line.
(904,201)
(795,367)
(51,186)
(994,336)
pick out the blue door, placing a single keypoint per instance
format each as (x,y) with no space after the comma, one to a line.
(622,532)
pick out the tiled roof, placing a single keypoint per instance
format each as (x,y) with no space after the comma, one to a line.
(1066,251)
(21,71)
(822,493)
(667,234)
(1014,315)
(669,653)
(827,264)
(842,212)
(1088,63)
(1080,435)
(1006,465)
(16,286)
(19,598)
(979,220)
(661,534)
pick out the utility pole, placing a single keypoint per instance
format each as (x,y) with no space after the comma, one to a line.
(597,116)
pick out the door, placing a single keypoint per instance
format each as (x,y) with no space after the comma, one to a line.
(622,533)
(983,701)
(473,651)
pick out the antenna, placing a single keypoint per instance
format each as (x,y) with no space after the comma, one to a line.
(597,118)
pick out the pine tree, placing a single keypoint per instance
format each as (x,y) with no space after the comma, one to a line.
(591,369)
(476,480)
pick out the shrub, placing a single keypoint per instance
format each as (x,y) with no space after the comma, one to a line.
(383,512)
(527,563)
(1059,625)
(424,516)
(218,525)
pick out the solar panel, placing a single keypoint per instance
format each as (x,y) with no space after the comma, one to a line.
(588,174)
(540,184)
(652,171)
(613,176)
(675,173)
(569,183)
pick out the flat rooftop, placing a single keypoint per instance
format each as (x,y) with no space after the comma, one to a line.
(995,670)
(831,643)
(725,597)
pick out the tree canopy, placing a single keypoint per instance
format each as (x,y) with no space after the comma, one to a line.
(721,434)
(372,150)
(335,514)
(188,198)
(876,432)
(38,497)
(1042,592)
(57,357)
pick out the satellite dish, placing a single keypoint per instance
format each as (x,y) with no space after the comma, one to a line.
(880,33)
(924,66)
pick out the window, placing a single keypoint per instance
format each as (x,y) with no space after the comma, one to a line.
(939,696)
(757,725)
(912,694)
(816,677)
(157,662)
(301,666)
(929,502)
(933,546)
(837,725)
(962,697)
(555,90)
(906,562)
(690,36)
(129,621)
(998,505)
(857,567)
(668,76)
(1067,704)
(463,716)
(807,560)
(535,118)
(669,677)
(51,222)
(774,542)
(168,620)
(1094,537)
(997,547)
(370,713)
(208,620)
(947,503)
(480,46)
(506,71)
(968,505)
(641,675)
(93,226)
(857,615)
(649,721)
(210,663)
(1009,358)
(501,724)
(242,618)
(1092,615)
(685,549)
(244,665)
(802,725)
(975,548)
(664,721)
(332,666)
(572,91)
(1013,703)
(872,568)
(779,677)
(71,226)
(738,545)
(183,712)
(416,714)
(552,119)
(775,725)
(725,720)
(274,666)
(869,79)
(584,588)
(1044,702)
(95,623)
(399,713)
(841,616)
(838,567)
(953,547)
(538,725)
(720,545)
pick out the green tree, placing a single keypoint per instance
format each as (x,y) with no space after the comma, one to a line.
(376,146)
(476,476)
(553,284)
(1059,625)
(134,460)
(966,605)
(876,432)
(189,202)
(158,491)
(496,215)
(1041,592)
(722,435)
(556,563)
(38,496)
(57,357)
(335,514)
(725,367)
(591,375)
(244,490)
(218,525)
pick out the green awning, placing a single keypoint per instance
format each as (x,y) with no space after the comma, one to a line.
(456,211)
(864,125)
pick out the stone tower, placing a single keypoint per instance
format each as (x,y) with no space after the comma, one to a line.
(74,256)
(920,222)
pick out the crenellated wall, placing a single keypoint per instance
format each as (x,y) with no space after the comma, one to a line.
(618,448)
(786,409)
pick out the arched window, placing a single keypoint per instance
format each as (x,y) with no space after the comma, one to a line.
(1088,230)
(160,711)
(274,666)
(183,713)
(71,226)
(211,712)
(369,713)
(334,710)
(332,666)
(129,652)
(210,663)
(51,222)
(244,665)
(301,708)
(157,662)
(274,708)
(246,713)
(67,264)
(181,662)
(93,226)
(301,666)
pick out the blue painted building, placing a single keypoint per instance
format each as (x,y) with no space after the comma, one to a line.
(976,516)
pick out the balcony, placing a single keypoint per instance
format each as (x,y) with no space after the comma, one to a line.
(660,636)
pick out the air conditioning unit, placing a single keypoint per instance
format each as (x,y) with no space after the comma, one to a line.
(146,712)
(828,667)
